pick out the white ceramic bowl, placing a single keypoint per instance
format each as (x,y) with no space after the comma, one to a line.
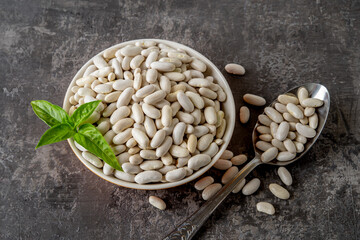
(228,108)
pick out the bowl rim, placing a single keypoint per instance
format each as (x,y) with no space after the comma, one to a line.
(230,120)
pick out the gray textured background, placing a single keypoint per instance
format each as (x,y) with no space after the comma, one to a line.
(49,194)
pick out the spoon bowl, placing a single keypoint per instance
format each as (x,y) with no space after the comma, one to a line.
(190,226)
(315,90)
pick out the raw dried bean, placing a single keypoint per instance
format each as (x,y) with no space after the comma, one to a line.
(265,120)
(140,137)
(285,176)
(234,68)
(239,159)
(313,121)
(175,175)
(278,144)
(263,130)
(148,177)
(244,114)
(279,191)
(273,114)
(203,183)
(285,156)
(239,186)
(185,102)
(263,146)
(299,147)
(229,175)
(204,142)
(211,150)
(157,202)
(285,99)
(305,130)
(198,161)
(254,100)
(130,168)
(210,115)
(282,131)
(122,137)
(251,187)
(312,102)
(281,108)
(198,65)
(166,169)
(177,151)
(269,154)
(211,190)
(163,66)
(91,158)
(164,147)
(266,137)
(309,111)
(294,111)
(290,146)
(222,164)
(265,207)
(124,176)
(302,94)
(151,164)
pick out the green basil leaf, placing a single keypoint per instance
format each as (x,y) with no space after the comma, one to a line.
(51,114)
(84,112)
(56,134)
(90,138)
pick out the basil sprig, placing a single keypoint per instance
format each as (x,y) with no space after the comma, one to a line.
(62,126)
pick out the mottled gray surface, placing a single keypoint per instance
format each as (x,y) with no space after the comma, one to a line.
(49,194)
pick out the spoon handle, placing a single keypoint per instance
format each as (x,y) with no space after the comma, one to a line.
(190,226)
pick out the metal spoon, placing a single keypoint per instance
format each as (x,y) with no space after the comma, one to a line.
(190,226)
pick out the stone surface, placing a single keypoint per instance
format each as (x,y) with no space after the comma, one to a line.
(49,194)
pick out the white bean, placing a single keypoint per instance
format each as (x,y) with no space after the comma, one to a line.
(312,102)
(178,133)
(203,183)
(125,97)
(254,99)
(294,111)
(279,191)
(282,131)
(234,68)
(164,147)
(305,130)
(273,114)
(269,154)
(124,176)
(163,66)
(290,146)
(285,176)
(285,99)
(229,175)
(251,187)
(175,175)
(198,161)
(157,202)
(265,120)
(265,207)
(222,164)
(211,190)
(285,156)
(148,177)
(244,114)
(313,121)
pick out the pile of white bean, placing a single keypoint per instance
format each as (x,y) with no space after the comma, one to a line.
(285,128)
(160,113)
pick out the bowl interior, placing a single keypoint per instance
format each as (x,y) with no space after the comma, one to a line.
(228,107)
